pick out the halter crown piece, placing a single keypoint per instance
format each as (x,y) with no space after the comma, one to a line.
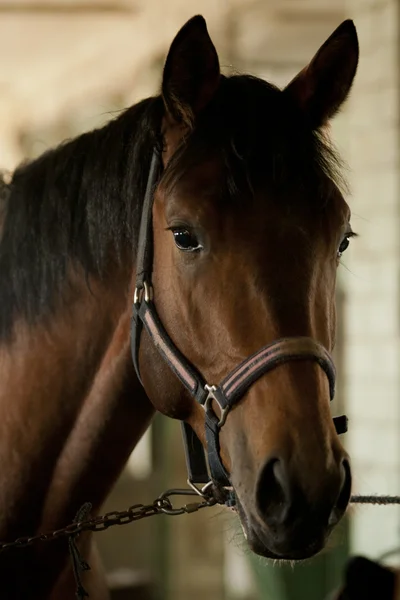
(236,383)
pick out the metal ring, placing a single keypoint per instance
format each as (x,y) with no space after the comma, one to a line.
(137,295)
(148,291)
(207,405)
(199,492)
(144,291)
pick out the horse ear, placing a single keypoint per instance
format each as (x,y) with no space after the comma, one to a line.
(191,72)
(322,87)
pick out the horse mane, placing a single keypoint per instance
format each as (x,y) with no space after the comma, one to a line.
(81,202)
(72,205)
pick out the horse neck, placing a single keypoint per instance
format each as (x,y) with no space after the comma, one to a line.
(46,374)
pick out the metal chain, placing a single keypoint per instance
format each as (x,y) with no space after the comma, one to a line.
(162,505)
(136,512)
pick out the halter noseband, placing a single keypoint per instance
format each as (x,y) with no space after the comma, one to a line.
(235,384)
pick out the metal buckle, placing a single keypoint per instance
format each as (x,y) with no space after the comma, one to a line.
(146,292)
(211,389)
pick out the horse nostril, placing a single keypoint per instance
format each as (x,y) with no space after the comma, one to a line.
(344,495)
(280,501)
(345,492)
(272,495)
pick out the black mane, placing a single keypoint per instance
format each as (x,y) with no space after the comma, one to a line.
(73,204)
(76,203)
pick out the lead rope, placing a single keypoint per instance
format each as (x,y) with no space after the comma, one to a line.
(376,500)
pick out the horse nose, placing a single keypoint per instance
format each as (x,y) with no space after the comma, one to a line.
(283,502)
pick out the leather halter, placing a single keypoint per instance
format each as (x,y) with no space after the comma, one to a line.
(229,391)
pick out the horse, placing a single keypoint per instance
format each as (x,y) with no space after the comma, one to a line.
(218,207)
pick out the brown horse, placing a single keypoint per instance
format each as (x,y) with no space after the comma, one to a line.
(248,225)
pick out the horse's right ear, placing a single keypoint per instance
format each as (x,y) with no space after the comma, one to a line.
(191,72)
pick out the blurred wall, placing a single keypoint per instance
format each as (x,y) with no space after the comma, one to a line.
(370,138)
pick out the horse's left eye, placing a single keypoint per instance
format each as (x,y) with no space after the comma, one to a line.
(186,240)
(344,245)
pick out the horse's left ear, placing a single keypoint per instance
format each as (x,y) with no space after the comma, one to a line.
(191,73)
(322,87)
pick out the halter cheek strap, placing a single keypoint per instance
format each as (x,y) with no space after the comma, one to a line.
(235,384)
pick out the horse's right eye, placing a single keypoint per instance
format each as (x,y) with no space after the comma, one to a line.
(186,240)
(345,243)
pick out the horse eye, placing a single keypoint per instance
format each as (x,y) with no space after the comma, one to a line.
(344,245)
(186,240)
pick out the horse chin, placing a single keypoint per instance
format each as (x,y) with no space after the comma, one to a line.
(268,549)
(263,543)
